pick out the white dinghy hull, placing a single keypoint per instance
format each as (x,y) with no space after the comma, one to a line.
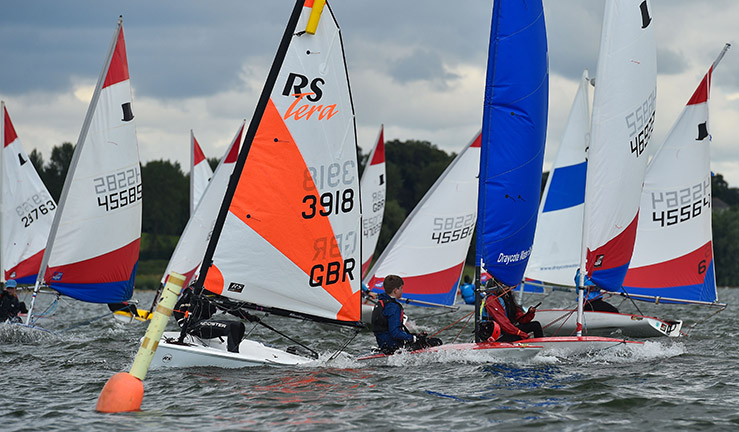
(569,345)
(564,322)
(213,353)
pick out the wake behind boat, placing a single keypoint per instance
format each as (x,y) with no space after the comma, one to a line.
(482,351)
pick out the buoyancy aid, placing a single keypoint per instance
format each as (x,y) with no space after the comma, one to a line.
(379,320)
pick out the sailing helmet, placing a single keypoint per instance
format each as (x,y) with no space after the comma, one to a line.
(10,283)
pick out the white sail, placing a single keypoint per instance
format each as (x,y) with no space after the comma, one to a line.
(673,254)
(93,247)
(555,255)
(428,251)
(27,209)
(622,125)
(188,254)
(291,236)
(200,173)
(373,187)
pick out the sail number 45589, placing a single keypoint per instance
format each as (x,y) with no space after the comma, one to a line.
(118,189)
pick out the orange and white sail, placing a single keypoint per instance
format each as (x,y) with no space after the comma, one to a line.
(27,209)
(190,250)
(93,247)
(200,173)
(373,187)
(289,233)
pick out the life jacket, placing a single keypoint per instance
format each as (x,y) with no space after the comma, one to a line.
(379,321)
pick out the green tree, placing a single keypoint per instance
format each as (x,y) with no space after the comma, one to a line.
(726,246)
(165,205)
(57,168)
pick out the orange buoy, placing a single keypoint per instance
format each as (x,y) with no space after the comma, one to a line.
(122,393)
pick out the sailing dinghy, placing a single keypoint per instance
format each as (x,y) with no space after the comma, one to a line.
(513,136)
(287,237)
(200,173)
(27,209)
(621,128)
(429,249)
(555,255)
(373,187)
(93,247)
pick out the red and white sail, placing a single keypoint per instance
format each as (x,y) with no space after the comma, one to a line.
(673,254)
(428,251)
(373,187)
(27,209)
(555,255)
(292,233)
(190,250)
(93,248)
(200,173)
(622,125)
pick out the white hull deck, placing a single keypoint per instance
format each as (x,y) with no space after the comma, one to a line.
(212,352)
(564,322)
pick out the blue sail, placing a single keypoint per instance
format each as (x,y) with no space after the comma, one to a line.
(513,134)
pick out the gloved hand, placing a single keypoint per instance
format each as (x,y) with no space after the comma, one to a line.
(523,335)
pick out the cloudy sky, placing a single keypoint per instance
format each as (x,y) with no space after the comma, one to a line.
(418,67)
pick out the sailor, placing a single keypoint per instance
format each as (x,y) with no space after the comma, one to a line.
(514,324)
(387,321)
(124,307)
(196,313)
(593,300)
(10,306)
(467,290)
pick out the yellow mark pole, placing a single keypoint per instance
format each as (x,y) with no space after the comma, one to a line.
(315,16)
(124,391)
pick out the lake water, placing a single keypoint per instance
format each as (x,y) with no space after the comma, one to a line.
(51,381)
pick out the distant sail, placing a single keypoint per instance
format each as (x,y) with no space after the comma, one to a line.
(93,248)
(673,254)
(514,128)
(27,210)
(190,250)
(555,255)
(428,251)
(291,236)
(373,186)
(200,173)
(622,125)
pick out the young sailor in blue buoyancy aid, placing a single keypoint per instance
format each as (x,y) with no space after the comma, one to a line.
(10,306)
(593,300)
(196,314)
(467,290)
(387,321)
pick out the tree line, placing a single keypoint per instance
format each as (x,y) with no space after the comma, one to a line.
(412,167)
